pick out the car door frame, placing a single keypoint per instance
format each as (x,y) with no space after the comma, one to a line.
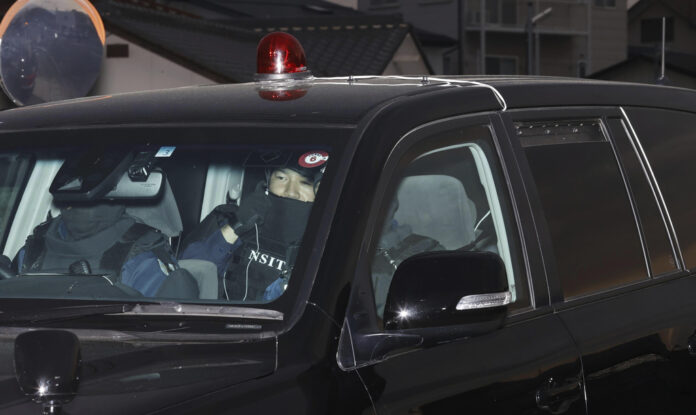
(530,263)
(613,339)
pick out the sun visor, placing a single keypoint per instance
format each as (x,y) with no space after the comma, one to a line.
(108,174)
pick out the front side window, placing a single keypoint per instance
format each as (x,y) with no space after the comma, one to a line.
(216,223)
(448,198)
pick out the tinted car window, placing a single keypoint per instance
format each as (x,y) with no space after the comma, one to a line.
(113,212)
(14,170)
(670,145)
(447,198)
(591,223)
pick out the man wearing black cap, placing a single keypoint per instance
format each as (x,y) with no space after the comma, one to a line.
(254,246)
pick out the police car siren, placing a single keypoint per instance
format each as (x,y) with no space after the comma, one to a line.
(50,50)
(281,68)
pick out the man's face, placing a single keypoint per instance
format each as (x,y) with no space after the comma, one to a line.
(292,185)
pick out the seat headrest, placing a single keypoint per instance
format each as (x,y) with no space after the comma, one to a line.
(223,183)
(162,215)
(433,206)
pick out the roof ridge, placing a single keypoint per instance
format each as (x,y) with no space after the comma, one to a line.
(107,7)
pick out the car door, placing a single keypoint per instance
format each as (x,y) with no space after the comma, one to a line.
(619,282)
(453,185)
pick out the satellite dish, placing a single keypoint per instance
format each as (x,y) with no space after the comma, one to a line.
(50,50)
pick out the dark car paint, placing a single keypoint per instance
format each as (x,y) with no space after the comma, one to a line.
(296,372)
(431,381)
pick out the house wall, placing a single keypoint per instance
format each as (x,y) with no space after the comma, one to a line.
(684,32)
(609,38)
(141,70)
(563,43)
(558,54)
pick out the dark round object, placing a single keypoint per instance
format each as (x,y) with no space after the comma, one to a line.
(50,51)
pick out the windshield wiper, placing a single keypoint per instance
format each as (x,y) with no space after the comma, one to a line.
(160,309)
(64,313)
(202,310)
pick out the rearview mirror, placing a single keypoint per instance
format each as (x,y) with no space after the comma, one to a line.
(126,188)
(447,288)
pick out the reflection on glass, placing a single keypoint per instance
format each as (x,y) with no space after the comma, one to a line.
(50,51)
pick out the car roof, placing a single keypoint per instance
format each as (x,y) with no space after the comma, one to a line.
(343,100)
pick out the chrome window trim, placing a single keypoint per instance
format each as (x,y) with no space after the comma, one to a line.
(655,187)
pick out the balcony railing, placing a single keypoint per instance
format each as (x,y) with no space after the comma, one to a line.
(567,16)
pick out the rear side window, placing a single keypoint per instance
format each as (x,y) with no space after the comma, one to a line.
(669,141)
(659,247)
(593,230)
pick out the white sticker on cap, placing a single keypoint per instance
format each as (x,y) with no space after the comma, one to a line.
(165,152)
(313,159)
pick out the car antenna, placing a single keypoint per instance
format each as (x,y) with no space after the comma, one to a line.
(662,79)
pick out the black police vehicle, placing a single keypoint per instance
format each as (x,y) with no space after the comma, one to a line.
(376,245)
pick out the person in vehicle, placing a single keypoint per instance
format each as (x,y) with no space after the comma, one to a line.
(101,238)
(254,246)
(396,243)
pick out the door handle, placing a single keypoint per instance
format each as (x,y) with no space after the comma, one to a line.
(556,396)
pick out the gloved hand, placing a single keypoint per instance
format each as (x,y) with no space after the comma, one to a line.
(251,212)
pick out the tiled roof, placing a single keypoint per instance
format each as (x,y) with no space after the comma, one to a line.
(680,62)
(334,45)
(684,62)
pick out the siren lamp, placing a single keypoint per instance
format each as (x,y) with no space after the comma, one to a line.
(280,56)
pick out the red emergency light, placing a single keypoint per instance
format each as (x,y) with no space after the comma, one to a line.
(280,56)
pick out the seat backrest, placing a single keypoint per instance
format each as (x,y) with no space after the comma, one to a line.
(223,184)
(438,207)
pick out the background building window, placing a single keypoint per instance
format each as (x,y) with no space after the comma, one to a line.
(497,11)
(651,30)
(501,65)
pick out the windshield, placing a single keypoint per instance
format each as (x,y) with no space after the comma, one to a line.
(218,223)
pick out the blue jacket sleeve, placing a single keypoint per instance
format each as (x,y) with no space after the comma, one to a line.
(145,273)
(274,290)
(214,248)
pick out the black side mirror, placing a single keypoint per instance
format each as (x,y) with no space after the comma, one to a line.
(47,364)
(448,288)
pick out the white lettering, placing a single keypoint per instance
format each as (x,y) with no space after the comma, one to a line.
(268,260)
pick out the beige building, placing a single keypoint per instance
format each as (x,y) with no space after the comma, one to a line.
(576,37)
